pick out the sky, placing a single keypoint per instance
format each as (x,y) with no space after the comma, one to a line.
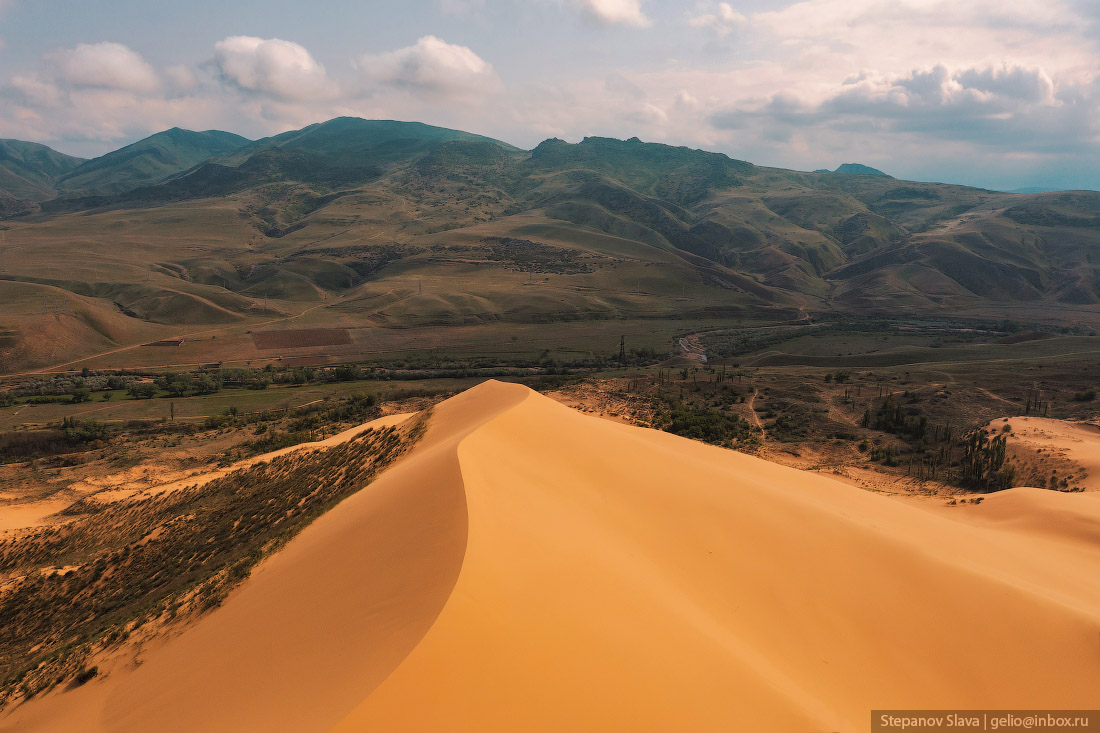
(1001,94)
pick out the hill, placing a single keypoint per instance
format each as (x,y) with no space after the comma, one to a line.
(30,172)
(1033,189)
(650,583)
(351,135)
(147,162)
(858,169)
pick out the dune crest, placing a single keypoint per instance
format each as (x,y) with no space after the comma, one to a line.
(531,568)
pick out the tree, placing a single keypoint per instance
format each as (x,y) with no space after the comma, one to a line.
(175,385)
(983,464)
(142,390)
(207,384)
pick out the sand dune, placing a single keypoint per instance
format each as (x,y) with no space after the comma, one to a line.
(528,568)
(1053,515)
(1079,443)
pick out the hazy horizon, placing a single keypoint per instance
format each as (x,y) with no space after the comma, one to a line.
(984,95)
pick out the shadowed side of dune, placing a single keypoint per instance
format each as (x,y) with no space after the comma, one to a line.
(317,626)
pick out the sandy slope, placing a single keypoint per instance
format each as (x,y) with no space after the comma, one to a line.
(145,480)
(1079,443)
(342,437)
(528,568)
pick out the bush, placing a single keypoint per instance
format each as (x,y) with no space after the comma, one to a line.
(142,391)
(70,436)
(710,426)
(85,676)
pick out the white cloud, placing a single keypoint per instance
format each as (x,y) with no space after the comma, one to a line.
(37,92)
(616,12)
(275,67)
(1015,109)
(685,99)
(722,20)
(105,65)
(835,36)
(650,114)
(434,66)
(1016,82)
(181,78)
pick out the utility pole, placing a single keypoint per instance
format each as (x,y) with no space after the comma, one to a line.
(622,349)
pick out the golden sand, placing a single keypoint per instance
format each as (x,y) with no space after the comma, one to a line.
(529,568)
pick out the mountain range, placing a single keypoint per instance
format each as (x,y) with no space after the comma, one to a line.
(345,215)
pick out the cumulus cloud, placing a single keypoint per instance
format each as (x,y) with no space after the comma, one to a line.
(616,12)
(685,99)
(1014,108)
(106,65)
(722,20)
(1014,82)
(901,34)
(431,65)
(35,91)
(275,67)
(995,93)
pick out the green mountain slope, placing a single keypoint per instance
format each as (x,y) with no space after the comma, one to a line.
(353,135)
(30,171)
(148,162)
(858,169)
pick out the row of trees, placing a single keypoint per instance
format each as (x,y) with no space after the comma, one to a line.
(982,465)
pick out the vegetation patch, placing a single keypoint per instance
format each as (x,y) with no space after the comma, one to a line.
(69,436)
(714,424)
(75,589)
